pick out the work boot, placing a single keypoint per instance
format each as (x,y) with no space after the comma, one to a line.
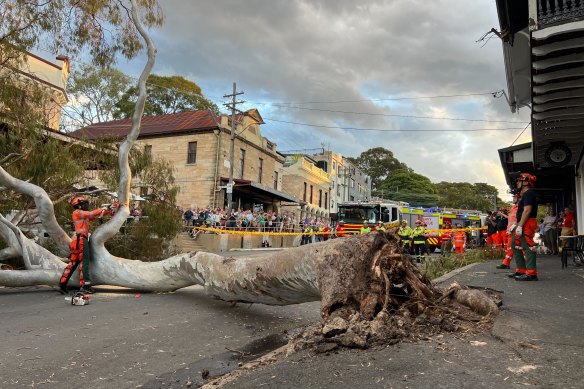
(526,277)
(63,289)
(513,275)
(87,289)
(502,266)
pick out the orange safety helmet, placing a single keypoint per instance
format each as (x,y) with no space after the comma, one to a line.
(78,200)
(530,178)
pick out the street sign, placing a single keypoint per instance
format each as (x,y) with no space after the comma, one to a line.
(229,188)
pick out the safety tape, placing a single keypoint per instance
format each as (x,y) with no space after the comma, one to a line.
(238,232)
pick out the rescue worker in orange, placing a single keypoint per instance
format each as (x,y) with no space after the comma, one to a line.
(511,221)
(340,230)
(459,239)
(79,247)
(445,238)
(525,229)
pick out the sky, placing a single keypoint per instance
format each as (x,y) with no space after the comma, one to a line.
(348,75)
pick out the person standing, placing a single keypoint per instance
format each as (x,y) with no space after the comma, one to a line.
(567,226)
(501,227)
(511,221)
(525,229)
(419,238)
(445,238)
(405,234)
(340,230)
(491,228)
(550,231)
(80,254)
(365,229)
(459,239)
(188,215)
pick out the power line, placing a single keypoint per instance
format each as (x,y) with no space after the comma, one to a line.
(494,94)
(392,130)
(521,133)
(399,115)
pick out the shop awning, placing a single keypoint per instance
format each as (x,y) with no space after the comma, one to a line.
(259,191)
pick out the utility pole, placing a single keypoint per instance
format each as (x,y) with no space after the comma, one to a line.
(231,105)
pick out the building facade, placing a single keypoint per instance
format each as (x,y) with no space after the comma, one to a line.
(348,183)
(50,78)
(197,144)
(543,48)
(304,180)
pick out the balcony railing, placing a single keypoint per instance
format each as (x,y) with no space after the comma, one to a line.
(559,11)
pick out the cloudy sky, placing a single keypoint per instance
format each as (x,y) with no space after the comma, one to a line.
(349,75)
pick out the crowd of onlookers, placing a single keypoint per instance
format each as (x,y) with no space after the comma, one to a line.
(551,228)
(245,220)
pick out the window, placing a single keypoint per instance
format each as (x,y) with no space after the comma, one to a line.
(241,162)
(260,169)
(334,166)
(311,191)
(352,183)
(325,200)
(304,195)
(275,180)
(320,198)
(192,152)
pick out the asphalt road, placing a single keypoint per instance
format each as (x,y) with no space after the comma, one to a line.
(126,340)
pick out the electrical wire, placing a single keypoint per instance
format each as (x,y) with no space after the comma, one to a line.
(385,99)
(392,130)
(399,115)
(521,133)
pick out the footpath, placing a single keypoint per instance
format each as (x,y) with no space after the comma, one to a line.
(537,341)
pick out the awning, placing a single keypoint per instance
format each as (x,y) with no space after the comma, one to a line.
(260,191)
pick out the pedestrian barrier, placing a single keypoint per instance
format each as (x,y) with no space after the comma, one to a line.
(332,232)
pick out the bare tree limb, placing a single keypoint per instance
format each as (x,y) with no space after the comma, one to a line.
(44,206)
(108,230)
(9,253)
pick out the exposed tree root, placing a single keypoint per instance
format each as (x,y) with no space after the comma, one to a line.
(372,295)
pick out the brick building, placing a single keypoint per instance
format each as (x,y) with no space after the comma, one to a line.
(197,145)
(309,183)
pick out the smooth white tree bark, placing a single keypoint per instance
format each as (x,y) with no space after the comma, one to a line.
(274,279)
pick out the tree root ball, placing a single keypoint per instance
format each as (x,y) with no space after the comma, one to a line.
(371,294)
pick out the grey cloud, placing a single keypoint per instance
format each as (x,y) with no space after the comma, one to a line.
(299,51)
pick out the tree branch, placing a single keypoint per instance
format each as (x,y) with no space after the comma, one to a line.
(44,206)
(108,230)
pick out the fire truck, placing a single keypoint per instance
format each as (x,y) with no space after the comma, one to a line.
(391,212)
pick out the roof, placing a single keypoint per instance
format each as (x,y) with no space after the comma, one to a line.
(152,125)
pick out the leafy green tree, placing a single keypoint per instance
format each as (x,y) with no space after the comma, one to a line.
(414,199)
(407,181)
(465,195)
(378,163)
(165,95)
(94,93)
(28,149)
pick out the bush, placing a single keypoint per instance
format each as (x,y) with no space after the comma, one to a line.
(442,265)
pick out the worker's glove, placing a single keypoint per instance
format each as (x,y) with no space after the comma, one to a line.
(519,231)
(512,227)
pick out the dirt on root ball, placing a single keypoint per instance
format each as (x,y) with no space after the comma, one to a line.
(372,295)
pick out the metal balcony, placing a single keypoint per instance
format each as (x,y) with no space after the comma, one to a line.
(559,11)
